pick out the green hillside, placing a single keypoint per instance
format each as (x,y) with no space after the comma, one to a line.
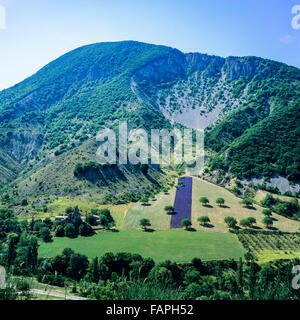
(48,122)
(274,87)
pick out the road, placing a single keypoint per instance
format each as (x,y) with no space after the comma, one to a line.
(55,294)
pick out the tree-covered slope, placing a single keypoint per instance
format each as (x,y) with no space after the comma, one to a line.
(276,85)
(271,146)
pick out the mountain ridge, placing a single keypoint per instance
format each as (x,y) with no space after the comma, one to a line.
(64,105)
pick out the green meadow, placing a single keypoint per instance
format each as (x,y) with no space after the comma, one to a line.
(174,245)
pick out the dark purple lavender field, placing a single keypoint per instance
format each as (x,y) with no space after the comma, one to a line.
(183,202)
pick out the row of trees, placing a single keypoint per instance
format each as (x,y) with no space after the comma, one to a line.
(219,201)
(247,222)
(125,276)
(247,202)
(230,221)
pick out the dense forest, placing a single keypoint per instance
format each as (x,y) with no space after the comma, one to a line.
(267,148)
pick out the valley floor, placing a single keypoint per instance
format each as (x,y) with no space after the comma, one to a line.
(207,243)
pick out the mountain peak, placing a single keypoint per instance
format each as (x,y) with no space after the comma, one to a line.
(67,102)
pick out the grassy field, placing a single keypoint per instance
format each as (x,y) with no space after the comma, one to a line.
(175,245)
(232,208)
(154,212)
(119,214)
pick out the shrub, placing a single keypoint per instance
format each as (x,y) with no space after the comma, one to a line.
(69,210)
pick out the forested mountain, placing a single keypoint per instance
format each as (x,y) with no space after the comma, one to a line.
(249,107)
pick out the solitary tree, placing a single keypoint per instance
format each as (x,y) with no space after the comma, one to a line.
(231,222)
(59,231)
(165,190)
(220,202)
(186,223)
(144,200)
(169,209)
(267,212)
(269,201)
(152,197)
(106,222)
(94,270)
(204,201)
(12,239)
(251,221)
(247,202)
(245,223)
(267,221)
(144,223)
(204,220)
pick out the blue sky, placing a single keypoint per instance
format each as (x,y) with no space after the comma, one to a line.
(38,31)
